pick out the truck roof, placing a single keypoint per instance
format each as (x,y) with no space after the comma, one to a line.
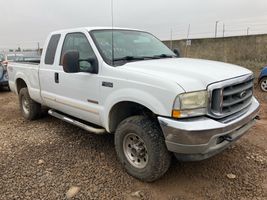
(90,29)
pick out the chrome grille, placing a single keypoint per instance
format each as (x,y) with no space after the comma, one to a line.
(230,96)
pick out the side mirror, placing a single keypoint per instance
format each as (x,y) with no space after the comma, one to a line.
(71,62)
(177,52)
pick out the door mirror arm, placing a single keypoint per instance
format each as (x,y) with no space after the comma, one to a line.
(177,52)
(93,62)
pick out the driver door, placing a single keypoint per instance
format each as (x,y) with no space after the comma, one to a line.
(78,93)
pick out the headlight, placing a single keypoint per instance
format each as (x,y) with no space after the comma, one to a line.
(190,104)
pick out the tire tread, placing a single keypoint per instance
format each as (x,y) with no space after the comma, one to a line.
(152,133)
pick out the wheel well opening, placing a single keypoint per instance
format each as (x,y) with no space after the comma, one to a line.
(20,83)
(263,77)
(125,109)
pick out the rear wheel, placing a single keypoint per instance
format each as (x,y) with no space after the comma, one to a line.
(141,148)
(263,84)
(29,108)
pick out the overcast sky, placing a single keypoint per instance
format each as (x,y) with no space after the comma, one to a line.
(26,22)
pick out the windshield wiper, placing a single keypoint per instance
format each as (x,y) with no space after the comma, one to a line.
(163,56)
(128,58)
(133,58)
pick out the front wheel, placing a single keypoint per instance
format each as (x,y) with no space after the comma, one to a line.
(263,84)
(141,148)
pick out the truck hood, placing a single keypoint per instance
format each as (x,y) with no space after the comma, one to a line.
(190,74)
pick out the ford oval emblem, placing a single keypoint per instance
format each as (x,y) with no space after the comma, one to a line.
(242,94)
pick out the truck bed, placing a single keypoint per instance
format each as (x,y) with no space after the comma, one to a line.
(27,71)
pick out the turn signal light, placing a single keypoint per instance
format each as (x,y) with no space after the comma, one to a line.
(176,114)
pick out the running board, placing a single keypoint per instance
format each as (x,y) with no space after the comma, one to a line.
(74,122)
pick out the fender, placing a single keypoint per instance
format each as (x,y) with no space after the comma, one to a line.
(33,92)
(135,96)
(20,75)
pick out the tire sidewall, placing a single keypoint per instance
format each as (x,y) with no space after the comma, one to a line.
(120,138)
(149,132)
(34,107)
(23,94)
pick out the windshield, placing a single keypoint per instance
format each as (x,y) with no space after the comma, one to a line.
(129,46)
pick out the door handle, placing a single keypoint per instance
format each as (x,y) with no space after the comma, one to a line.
(56,77)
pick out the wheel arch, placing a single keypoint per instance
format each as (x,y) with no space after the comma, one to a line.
(124,109)
(262,77)
(118,100)
(20,83)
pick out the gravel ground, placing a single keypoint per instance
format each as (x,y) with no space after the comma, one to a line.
(50,159)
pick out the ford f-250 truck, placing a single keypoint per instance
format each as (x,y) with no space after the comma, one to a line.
(129,83)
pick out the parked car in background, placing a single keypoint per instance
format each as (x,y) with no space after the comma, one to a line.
(263,79)
(22,57)
(14,57)
(3,72)
(30,59)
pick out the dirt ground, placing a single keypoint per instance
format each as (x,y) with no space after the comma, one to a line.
(43,159)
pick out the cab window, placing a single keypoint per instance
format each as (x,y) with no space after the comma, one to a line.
(51,49)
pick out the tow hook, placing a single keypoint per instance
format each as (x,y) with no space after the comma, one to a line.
(227,138)
(257,117)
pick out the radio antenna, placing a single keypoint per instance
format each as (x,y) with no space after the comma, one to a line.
(112,36)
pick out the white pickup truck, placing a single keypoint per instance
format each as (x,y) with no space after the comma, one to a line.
(127,82)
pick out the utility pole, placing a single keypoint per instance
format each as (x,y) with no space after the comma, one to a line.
(248,31)
(38,46)
(187,39)
(188,32)
(171,40)
(223,30)
(216,28)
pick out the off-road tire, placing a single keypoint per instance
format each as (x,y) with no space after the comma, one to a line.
(159,159)
(34,108)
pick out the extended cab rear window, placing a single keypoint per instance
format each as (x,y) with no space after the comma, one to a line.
(51,49)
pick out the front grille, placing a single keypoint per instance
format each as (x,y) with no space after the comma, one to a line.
(231,96)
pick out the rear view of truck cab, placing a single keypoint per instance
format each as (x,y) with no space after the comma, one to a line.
(128,83)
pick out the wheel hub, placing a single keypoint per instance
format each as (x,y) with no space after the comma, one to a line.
(264,85)
(138,151)
(135,150)
(25,105)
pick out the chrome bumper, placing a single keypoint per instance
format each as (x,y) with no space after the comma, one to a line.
(202,137)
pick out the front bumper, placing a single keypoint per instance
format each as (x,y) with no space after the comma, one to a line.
(202,137)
